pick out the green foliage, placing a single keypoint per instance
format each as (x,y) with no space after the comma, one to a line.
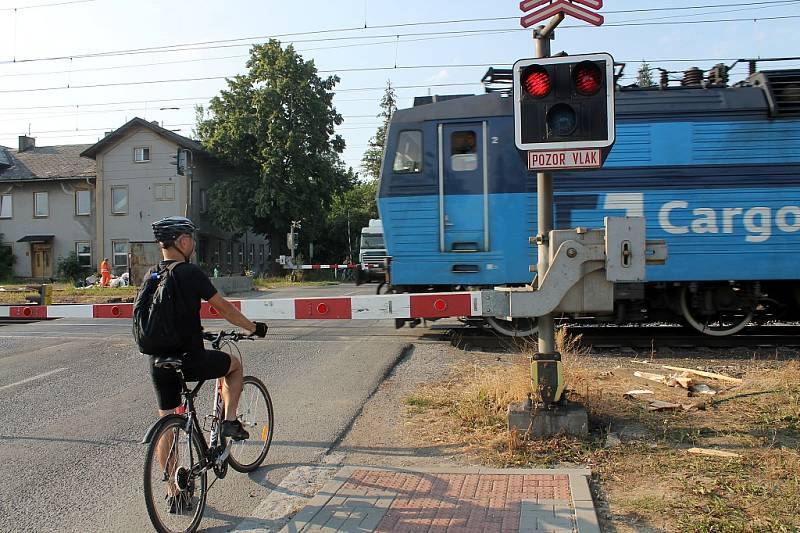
(372,159)
(6,259)
(644,78)
(70,269)
(275,124)
(350,211)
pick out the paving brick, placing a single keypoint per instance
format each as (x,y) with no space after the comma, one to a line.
(452,502)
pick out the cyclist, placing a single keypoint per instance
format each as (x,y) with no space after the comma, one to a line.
(176,235)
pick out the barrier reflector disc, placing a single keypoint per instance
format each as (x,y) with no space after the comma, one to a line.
(440,305)
(112,311)
(28,311)
(325,308)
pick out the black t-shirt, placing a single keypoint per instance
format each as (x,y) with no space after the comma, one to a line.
(193,286)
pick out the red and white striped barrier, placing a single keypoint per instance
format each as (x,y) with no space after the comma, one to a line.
(317,266)
(389,306)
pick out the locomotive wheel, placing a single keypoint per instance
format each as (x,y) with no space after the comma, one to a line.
(717,323)
(516,327)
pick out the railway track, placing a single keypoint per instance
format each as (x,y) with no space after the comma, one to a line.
(469,337)
(597,336)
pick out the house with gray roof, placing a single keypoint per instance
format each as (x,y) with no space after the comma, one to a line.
(99,200)
(138,183)
(46,205)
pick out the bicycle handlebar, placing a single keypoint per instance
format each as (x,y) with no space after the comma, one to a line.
(216,338)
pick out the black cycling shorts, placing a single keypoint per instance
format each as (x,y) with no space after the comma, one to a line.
(200,366)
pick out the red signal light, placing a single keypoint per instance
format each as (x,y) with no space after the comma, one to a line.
(537,82)
(588,78)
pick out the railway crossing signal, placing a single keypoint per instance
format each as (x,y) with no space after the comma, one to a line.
(564,110)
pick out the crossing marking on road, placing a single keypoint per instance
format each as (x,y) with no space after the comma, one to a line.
(32,378)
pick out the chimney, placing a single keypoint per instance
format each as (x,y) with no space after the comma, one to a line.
(26,143)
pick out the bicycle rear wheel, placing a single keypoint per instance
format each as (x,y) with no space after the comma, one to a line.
(255,414)
(174,486)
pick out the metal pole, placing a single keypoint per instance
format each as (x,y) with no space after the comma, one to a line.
(544,197)
(291,232)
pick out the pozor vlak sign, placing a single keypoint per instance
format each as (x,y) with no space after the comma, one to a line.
(564,110)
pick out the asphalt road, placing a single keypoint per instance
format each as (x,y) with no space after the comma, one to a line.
(77,400)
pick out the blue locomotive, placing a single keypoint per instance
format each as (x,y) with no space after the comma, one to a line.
(714,168)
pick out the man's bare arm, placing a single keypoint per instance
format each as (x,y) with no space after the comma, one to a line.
(230,313)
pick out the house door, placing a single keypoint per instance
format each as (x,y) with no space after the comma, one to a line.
(42,261)
(463,184)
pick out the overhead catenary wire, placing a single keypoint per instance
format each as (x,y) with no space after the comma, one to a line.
(52,4)
(399,67)
(224,43)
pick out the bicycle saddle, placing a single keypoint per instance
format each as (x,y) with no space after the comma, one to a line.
(171,362)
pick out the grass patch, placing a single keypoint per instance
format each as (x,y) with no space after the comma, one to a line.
(648,480)
(66,293)
(284,282)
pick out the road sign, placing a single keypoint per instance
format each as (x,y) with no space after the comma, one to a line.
(565,159)
(568,7)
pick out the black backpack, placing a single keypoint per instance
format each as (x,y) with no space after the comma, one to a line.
(156,326)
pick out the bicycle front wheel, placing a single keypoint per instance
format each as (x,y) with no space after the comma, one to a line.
(255,414)
(174,482)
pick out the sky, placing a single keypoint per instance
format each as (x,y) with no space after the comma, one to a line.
(71,70)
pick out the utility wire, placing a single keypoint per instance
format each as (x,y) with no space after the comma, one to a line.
(206,44)
(20,8)
(209,78)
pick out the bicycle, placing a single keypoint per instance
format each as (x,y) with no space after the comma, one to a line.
(179,457)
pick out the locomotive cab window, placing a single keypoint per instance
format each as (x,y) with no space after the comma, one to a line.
(408,157)
(464,151)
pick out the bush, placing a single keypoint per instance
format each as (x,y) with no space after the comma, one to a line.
(6,259)
(70,269)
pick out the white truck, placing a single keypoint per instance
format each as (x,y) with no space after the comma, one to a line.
(372,253)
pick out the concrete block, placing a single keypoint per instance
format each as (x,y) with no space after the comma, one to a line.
(570,419)
(579,487)
(233,284)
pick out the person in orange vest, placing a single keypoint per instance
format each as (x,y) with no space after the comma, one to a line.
(105,273)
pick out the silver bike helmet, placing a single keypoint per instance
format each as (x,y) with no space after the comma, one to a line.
(168,229)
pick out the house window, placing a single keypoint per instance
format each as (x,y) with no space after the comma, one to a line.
(203,201)
(6,210)
(84,252)
(119,200)
(261,254)
(252,254)
(164,191)
(83,202)
(40,205)
(202,246)
(230,253)
(141,154)
(120,251)
(218,253)
(240,248)
(408,157)
(464,151)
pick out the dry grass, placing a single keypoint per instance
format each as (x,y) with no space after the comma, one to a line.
(649,481)
(65,293)
(284,282)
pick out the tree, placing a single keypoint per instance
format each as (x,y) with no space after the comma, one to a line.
(350,212)
(69,268)
(372,159)
(644,78)
(275,125)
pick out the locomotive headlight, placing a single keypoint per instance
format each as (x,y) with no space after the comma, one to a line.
(561,120)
